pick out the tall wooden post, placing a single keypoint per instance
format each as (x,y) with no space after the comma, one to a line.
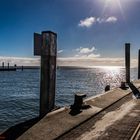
(8,65)
(127,61)
(139,64)
(3,65)
(48,51)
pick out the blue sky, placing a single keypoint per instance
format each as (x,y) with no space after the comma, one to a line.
(87,29)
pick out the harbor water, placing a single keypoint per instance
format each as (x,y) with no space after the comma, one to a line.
(19,90)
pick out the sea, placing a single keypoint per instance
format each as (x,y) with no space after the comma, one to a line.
(19,90)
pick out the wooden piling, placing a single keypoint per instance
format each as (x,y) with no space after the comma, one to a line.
(15,66)
(8,66)
(139,64)
(48,72)
(22,68)
(127,62)
(46,46)
(3,65)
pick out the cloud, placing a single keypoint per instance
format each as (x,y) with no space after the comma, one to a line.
(87,22)
(82,61)
(93,55)
(111,19)
(86,52)
(94,62)
(100,20)
(60,51)
(82,50)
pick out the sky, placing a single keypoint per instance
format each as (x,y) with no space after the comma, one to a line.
(90,32)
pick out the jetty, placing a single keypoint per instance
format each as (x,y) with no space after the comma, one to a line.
(7,68)
(113,115)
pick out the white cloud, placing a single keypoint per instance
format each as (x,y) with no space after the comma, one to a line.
(111,19)
(82,50)
(60,51)
(86,52)
(92,62)
(100,20)
(93,55)
(87,22)
(79,60)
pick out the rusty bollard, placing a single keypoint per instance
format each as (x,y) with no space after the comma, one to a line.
(123,86)
(78,101)
(107,88)
(78,104)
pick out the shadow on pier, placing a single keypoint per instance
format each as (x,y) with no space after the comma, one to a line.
(15,131)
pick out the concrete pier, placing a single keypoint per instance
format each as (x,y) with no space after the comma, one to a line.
(113,115)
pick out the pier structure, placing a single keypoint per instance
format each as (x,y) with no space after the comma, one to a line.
(111,115)
(7,68)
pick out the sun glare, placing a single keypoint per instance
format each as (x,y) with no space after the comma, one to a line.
(111,67)
(112,5)
(112,2)
(107,67)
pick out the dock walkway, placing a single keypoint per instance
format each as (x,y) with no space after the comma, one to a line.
(118,122)
(114,115)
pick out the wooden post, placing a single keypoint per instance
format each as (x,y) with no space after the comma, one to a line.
(48,72)
(48,52)
(8,66)
(3,65)
(127,61)
(139,64)
(22,68)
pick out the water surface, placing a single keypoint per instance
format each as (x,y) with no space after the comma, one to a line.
(19,90)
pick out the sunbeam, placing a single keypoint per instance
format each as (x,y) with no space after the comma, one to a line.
(113,5)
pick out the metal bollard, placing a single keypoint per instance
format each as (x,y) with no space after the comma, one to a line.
(107,88)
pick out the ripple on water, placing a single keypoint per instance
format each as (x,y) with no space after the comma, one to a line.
(19,91)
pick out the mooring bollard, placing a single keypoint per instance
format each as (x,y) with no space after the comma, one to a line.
(46,46)
(107,88)
(78,101)
(124,86)
(139,64)
(127,62)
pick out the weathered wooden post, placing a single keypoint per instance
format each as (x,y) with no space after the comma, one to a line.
(8,65)
(15,66)
(127,62)
(3,65)
(139,64)
(22,68)
(46,46)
